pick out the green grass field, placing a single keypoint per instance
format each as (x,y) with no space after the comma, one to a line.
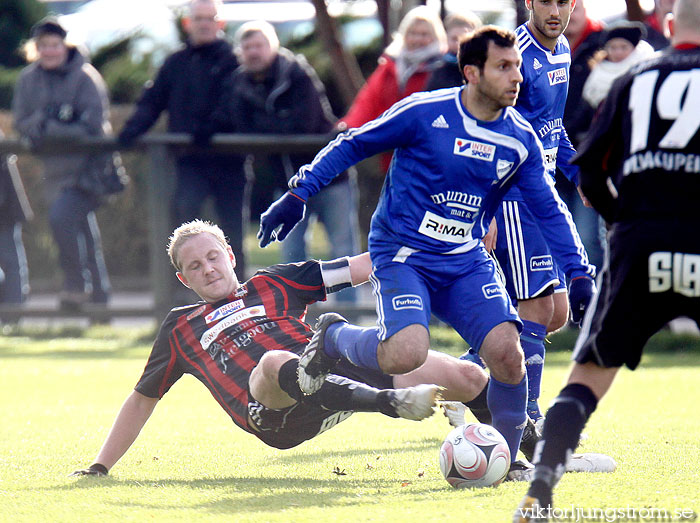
(60,395)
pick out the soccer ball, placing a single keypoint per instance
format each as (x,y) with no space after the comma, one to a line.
(474,455)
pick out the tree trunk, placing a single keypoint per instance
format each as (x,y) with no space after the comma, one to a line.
(522,14)
(344,65)
(635,12)
(384,18)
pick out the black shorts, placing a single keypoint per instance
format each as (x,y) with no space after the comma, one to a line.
(288,427)
(652,277)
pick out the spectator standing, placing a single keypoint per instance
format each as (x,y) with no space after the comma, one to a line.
(275,92)
(623,47)
(404,69)
(14,210)
(447,73)
(189,87)
(61,95)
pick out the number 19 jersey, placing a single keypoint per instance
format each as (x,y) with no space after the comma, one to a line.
(647,138)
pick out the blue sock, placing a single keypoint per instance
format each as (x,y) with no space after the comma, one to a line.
(473,356)
(358,345)
(532,341)
(507,405)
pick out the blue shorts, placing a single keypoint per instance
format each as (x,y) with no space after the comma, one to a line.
(523,253)
(463,290)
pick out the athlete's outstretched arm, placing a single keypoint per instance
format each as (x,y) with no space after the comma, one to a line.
(360,268)
(131,418)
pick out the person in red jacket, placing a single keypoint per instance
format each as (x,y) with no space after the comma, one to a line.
(404,68)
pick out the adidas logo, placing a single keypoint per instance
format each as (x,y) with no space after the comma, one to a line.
(536,64)
(440,123)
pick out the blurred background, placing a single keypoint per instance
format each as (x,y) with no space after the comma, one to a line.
(127,41)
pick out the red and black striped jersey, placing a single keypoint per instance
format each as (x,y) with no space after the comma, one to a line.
(220,343)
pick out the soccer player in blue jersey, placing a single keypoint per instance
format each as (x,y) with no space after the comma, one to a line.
(243,342)
(457,152)
(640,167)
(533,278)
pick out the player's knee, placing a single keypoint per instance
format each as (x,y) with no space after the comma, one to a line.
(560,315)
(506,363)
(270,363)
(472,380)
(559,320)
(538,310)
(403,360)
(404,351)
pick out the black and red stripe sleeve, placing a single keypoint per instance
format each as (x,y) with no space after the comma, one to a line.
(162,369)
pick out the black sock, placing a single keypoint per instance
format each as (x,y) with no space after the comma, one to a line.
(340,393)
(287,379)
(479,406)
(337,393)
(563,425)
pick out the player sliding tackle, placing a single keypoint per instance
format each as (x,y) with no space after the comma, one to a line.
(243,343)
(457,152)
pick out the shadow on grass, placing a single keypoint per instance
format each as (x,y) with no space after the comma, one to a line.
(86,354)
(419,445)
(272,494)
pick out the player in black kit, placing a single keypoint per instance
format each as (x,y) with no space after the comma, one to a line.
(640,168)
(243,341)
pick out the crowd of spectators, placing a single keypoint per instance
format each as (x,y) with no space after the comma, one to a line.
(252,85)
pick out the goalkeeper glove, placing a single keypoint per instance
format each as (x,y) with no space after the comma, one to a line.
(581,290)
(284,214)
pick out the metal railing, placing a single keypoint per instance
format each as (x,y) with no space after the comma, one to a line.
(159,147)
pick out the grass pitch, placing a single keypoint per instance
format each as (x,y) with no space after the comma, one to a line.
(60,395)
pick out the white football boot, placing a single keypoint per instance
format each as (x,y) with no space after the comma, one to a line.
(415,403)
(590,462)
(454,410)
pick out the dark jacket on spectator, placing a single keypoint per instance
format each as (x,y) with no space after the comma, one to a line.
(655,33)
(289,99)
(187,86)
(446,74)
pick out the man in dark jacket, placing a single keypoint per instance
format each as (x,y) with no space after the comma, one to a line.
(14,209)
(276,92)
(188,86)
(447,74)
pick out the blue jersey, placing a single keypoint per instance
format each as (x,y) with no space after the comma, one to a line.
(542,99)
(448,175)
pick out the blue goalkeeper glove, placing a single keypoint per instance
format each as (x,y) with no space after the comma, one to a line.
(581,290)
(284,214)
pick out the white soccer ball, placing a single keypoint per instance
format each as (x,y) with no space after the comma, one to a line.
(474,455)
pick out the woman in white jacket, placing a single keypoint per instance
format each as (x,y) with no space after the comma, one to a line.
(623,48)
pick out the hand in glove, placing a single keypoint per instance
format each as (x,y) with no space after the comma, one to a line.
(285,213)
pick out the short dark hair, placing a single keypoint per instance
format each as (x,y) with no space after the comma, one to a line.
(633,32)
(474,48)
